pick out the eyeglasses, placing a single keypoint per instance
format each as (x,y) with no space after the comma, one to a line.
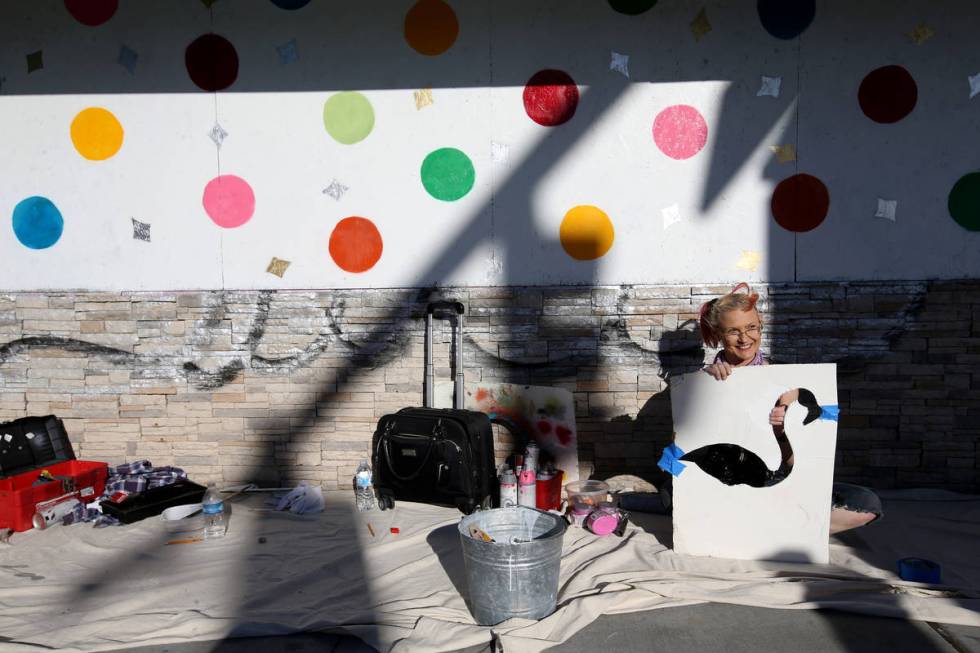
(751,331)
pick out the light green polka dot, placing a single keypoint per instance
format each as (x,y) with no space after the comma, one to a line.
(348,117)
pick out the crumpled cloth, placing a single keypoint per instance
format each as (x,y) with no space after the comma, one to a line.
(302,499)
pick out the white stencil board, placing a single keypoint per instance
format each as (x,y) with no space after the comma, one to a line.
(788,521)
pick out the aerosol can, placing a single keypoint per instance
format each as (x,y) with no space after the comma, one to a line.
(527,489)
(508,488)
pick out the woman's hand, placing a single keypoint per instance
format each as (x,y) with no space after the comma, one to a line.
(777,416)
(720,370)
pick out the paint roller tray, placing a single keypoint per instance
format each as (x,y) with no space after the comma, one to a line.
(154,501)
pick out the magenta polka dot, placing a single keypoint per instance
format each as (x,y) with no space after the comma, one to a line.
(680,131)
(229,201)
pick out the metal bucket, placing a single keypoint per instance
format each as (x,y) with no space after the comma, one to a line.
(516,575)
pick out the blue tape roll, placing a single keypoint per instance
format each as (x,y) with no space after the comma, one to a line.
(830,412)
(669,461)
(920,570)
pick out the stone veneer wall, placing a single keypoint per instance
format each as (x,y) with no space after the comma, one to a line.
(280,386)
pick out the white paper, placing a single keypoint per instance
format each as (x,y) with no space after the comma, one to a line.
(499,152)
(620,63)
(974,84)
(671,215)
(886,209)
(787,521)
(770,86)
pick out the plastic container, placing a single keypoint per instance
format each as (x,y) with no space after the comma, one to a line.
(584,495)
(603,520)
(549,489)
(364,487)
(515,575)
(182,519)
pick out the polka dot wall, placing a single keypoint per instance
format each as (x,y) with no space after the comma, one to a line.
(594,160)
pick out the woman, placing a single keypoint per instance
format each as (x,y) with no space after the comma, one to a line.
(733,322)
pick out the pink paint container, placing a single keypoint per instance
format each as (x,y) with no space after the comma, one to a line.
(603,520)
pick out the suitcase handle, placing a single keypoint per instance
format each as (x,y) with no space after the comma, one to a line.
(386,443)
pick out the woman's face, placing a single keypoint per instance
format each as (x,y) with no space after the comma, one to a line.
(740,333)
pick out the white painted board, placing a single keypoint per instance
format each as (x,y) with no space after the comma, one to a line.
(787,521)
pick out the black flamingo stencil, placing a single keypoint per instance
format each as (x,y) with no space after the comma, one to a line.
(734,465)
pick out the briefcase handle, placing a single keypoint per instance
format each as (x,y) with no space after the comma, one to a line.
(386,443)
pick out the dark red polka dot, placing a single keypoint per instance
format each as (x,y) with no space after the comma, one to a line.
(888,94)
(212,62)
(550,97)
(92,12)
(800,203)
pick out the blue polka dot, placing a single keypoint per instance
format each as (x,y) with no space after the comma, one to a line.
(37,222)
(786,19)
(290,4)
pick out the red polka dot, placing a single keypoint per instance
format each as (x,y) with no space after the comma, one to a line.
(92,12)
(355,244)
(212,62)
(550,97)
(888,94)
(680,131)
(229,201)
(800,203)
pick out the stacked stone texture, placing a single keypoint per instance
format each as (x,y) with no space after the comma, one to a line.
(278,387)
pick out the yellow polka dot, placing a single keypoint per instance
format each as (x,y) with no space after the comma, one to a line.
(96,133)
(586,233)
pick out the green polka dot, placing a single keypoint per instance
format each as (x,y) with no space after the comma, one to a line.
(348,117)
(964,201)
(448,174)
(632,7)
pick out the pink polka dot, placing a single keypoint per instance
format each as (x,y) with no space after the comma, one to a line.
(229,201)
(680,131)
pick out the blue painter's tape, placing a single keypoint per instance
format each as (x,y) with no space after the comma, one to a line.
(670,460)
(830,412)
(919,570)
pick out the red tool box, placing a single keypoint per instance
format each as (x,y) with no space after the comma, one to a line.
(37,464)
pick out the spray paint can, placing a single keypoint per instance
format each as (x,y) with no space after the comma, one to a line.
(508,488)
(527,489)
(532,456)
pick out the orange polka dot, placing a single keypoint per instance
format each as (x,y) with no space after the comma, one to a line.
(431,27)
(355,244)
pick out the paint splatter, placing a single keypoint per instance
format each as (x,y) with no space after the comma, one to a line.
(37,222)
(335,190)
(964,201)
(447,174)
(96,133)
(127,59)
(355,244)
(586,233)
(348,117)
(423,98)
(974,82)
(680,131)
(784,153)
(92,12)
(431,27)
(277,266)
(800,203)
(921,33)
(141,230)
(632,7)
(888,94)
(700,25)
(786,19)
(211,62)
(35,61)
(290,5)
(886,209)
(229,201)
(550,97)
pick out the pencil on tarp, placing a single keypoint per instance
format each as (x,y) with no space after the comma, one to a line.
(190,540)
(370,530)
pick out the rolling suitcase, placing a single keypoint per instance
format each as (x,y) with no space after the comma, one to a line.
(436,455)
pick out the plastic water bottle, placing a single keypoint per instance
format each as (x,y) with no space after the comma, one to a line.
(364,487)
(213,508)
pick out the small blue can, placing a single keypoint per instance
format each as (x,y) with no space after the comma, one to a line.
(920,570)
